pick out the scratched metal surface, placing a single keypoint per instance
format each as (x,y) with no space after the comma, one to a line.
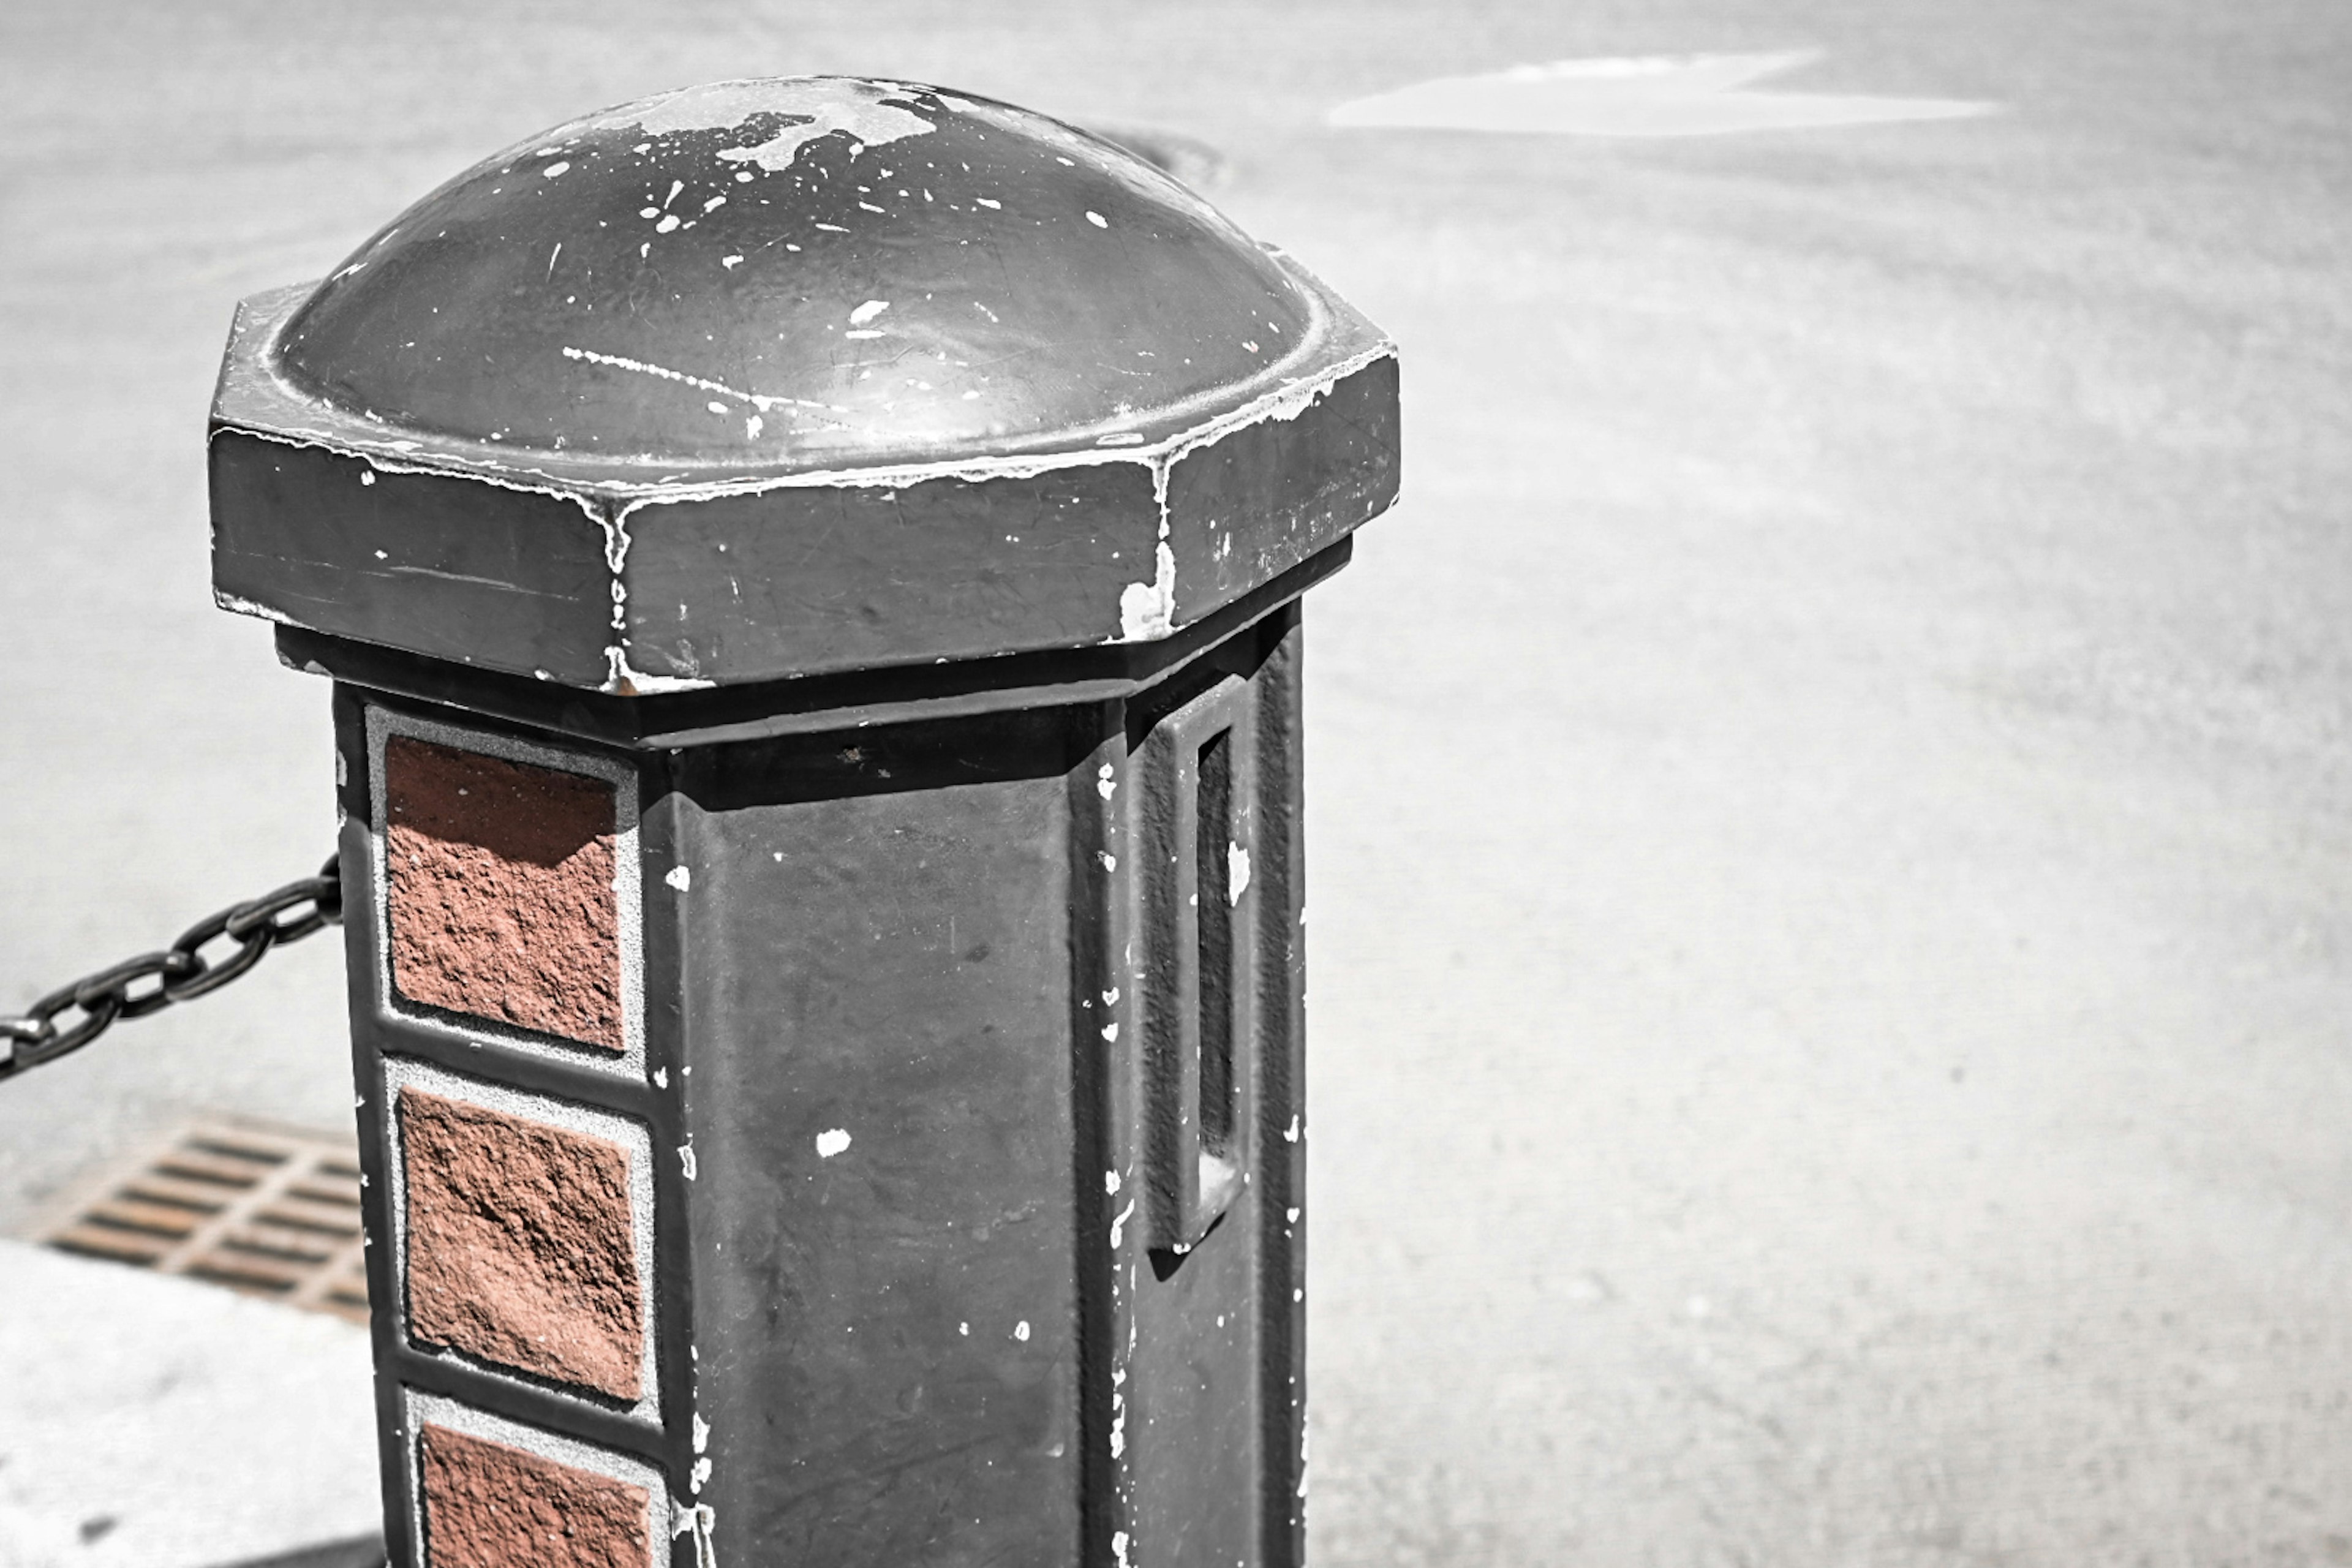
(1829,837)
(850,273)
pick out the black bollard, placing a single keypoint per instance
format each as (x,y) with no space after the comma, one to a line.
(811,573)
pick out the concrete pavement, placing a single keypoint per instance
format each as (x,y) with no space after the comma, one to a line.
(153,1422)
(1831,942)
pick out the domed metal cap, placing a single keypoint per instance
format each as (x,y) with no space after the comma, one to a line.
(778,377)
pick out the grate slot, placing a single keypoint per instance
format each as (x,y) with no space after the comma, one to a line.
(267,1211)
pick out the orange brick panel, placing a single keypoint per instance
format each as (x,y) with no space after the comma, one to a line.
(521,1245)
(500,887)
(490,1506)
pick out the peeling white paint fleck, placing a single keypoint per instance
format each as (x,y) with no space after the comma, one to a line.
(1106,782)
(231,602)
(1098,219)
(1110,1183)
(1147,611)
(1118,1538)
(1111,1031)
(686,1160)
(1109,862)
(1291,1134)
(867,312)
(701,1521)
(1020,1330)
(681,876)
(661,1077)
(368,477)
(698,1475)
(964,1329)
(1237,872)
(832,1141)
(815,107)
(1118,1225)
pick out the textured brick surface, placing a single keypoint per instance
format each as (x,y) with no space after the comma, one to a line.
(490,1506)
(501,890)
(522,1244)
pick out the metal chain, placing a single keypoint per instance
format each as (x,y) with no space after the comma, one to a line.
(180,972)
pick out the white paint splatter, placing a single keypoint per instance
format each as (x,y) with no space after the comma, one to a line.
(832,1141)
(1237,872)
(554,169)
(1096,219)
(1105,782)
(1695,95)
(1110,1183)
(680,878)
(867,312)
(1118,1225)
(1147,611)
(661,1077)
(815,108)
(1020,1330)
(686,1160)
(702,1434)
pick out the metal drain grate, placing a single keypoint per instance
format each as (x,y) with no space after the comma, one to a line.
(265,1210)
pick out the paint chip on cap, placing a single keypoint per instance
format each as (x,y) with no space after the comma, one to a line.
(832,1141)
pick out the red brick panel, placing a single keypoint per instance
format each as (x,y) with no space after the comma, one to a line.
(501,890)
(490,1506)
(522,1244)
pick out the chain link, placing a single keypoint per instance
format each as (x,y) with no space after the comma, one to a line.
(180,973)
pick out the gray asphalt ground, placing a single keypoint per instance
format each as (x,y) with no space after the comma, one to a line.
(1832,798)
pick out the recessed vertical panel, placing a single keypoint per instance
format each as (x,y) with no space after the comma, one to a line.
(1194,1394)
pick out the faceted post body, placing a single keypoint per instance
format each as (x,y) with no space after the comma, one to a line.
(1005,1318)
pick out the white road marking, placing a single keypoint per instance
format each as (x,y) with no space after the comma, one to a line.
(1691,95)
